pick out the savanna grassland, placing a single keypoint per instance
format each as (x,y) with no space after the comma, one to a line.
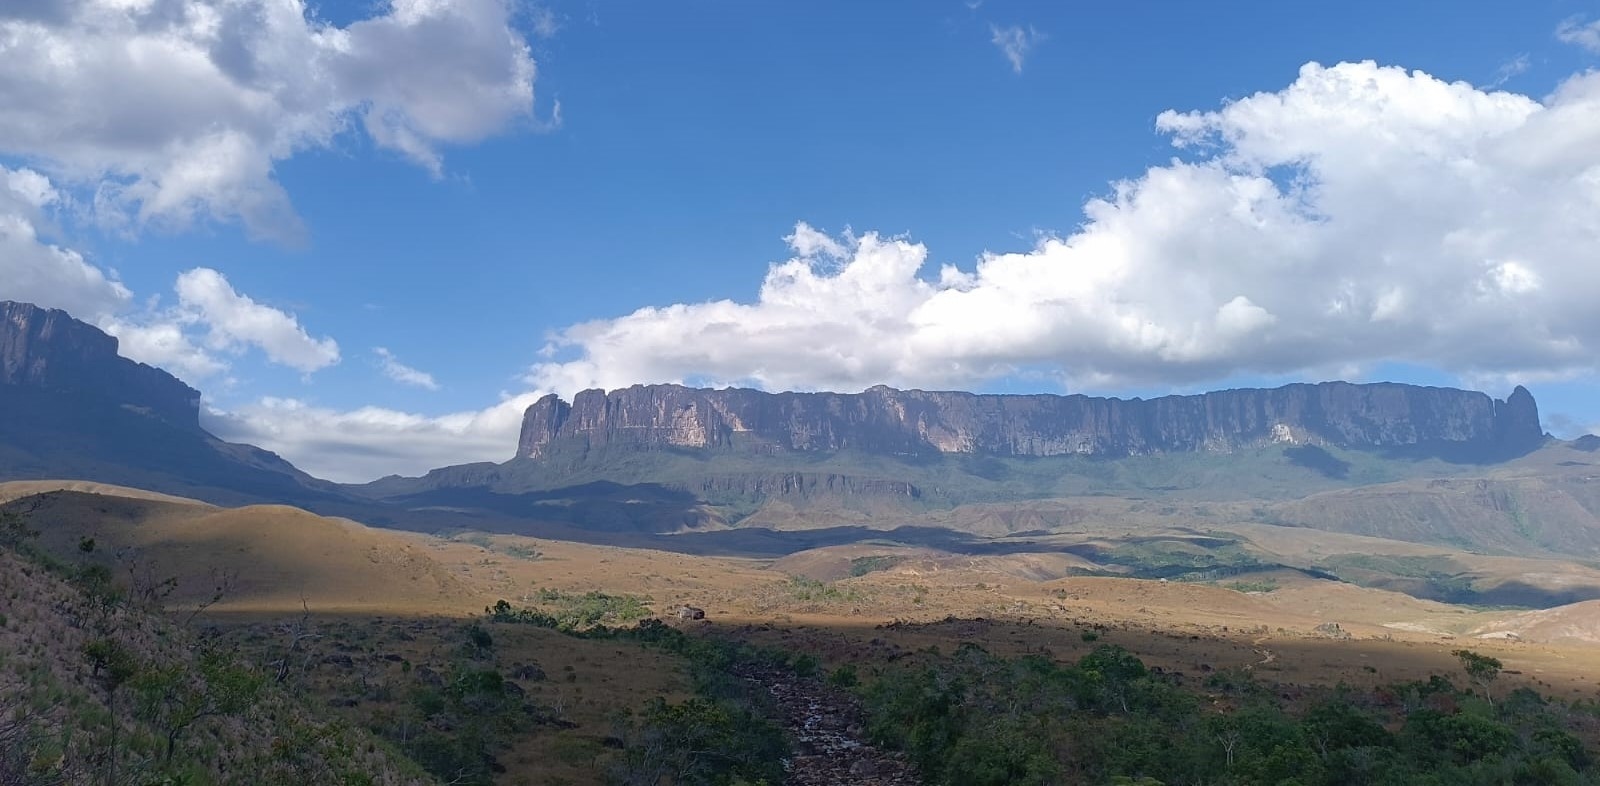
(246,645)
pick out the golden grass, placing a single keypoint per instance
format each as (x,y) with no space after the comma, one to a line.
(405,594)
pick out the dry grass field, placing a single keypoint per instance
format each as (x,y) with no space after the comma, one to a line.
(379,613)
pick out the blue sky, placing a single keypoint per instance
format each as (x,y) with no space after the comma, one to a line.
(487,192)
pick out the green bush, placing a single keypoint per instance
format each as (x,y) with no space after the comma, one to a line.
(701,742)
(844,677)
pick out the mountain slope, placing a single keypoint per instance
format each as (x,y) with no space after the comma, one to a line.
(1388,460)
(71,407)
(66,722)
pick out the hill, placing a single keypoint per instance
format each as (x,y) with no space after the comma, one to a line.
(274,556)
(107,692)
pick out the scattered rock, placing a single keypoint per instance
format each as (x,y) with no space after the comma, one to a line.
(828,728)
(1331,630)
(691,613)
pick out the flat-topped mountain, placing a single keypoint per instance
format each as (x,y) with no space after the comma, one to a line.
(667,458)
(47,350)
(886,421)
(1419,464)
(71,407)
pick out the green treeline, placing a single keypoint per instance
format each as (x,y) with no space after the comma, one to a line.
(976,719)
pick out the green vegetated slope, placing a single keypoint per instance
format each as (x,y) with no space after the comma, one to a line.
(95,689)
(976,719)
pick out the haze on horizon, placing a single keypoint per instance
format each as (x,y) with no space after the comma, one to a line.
(372,234)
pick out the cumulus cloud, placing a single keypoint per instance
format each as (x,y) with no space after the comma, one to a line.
(364,444)
(162,342)
(212,320)
(1362,214)
(1015,42)
(1579,33)
(233,321)
(169,111)
(209,317)
(35,271)
(402,373)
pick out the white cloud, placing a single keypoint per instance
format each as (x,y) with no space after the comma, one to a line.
(163,344)
(1015,42)
(1362,214)
(170,111)
(35,271)
(233,321)
(402,373)
(364,444)
(1510,69)
(545,22)
(1579,33)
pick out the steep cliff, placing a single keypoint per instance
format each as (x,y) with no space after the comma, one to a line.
(72,408)
(46,350)
(885,421)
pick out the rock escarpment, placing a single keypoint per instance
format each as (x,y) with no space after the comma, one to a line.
(72,408)
(883,420)
(47,351)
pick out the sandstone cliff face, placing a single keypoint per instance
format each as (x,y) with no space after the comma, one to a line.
(887,421)
(47,350)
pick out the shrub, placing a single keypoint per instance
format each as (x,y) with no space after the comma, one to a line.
(844,677)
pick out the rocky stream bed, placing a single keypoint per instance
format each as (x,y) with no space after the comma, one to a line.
(826,723)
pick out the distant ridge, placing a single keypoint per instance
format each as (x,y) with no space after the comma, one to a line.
(886,421)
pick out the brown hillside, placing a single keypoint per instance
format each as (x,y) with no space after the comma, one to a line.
(279,555)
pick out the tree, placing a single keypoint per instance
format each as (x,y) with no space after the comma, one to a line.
(1481,669)
(173,700)
(479,643)
(113,665)
(298,633)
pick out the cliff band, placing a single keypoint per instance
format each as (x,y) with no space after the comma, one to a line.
(910,422)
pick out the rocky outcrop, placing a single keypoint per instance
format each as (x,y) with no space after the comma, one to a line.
(883,420)
(46,350)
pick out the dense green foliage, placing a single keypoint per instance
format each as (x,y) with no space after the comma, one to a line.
(454,730)
(980,720)
(861,566)
(571,611)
